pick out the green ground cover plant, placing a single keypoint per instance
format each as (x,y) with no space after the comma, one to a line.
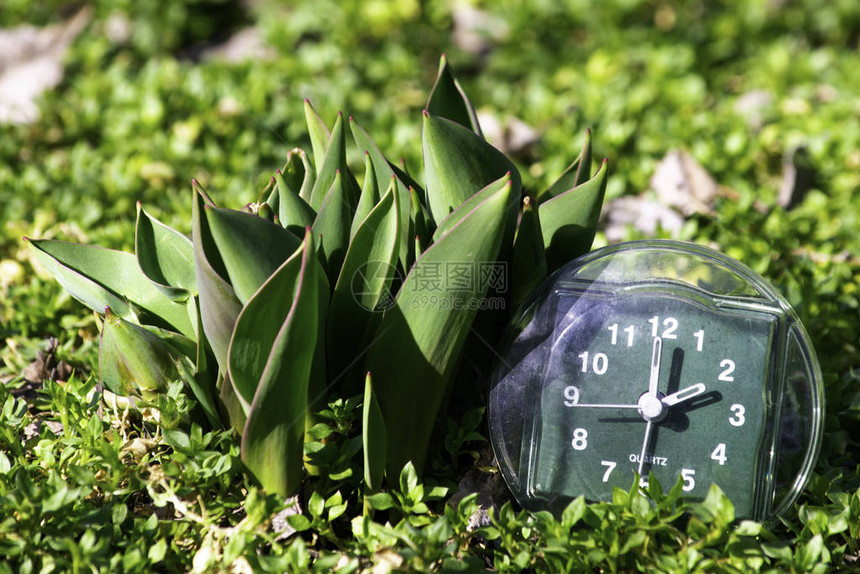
(88,483)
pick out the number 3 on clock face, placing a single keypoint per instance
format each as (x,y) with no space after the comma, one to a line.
(656,359)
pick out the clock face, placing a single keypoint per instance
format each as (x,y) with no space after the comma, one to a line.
(592,427)
(656,359)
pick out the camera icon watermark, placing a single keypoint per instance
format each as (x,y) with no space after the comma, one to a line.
(372,286)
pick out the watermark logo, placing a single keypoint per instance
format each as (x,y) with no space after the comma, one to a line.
(372,284)
(459,285)
(461,277)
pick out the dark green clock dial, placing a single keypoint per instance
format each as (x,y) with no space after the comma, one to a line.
(656,359)
(589,433)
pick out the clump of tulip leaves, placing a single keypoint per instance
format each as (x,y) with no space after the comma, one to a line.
(327,286)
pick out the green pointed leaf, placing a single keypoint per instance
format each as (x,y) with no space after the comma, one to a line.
(272,440)
(258,325)
(197,188)
(318,132)
(448,100)
(294,214)
(422,225)
(206,404)
(576,173)
(298,173)
(333,163)
(89,292)
(331,227)
(272,200)
(408,480)
(99,278)
(250,247)
(134,361)
(318,385)
(165,256)
(424,339)
(267,194)
(373,438)
(385,171)
(457,164)
(569,221)
(363,288)
(204,377)
(219,305)
(369,196)
(402,167)
(528,261)
(194,313)
(469,204)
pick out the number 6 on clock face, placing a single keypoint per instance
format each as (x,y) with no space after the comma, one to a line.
(657,358)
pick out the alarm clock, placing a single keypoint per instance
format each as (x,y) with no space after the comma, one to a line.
(660,360)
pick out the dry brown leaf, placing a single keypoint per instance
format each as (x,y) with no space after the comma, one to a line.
(680,182)
(31,61)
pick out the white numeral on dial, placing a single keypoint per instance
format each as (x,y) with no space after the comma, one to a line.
(599,364)
(670,325)
(689,481)
(614,330)
(571,396)
(580,439)
(700,339)
(728,367)
(610,466)
(738,419)
(719,454)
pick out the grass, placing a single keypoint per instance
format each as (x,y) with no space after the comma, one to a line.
(88,484)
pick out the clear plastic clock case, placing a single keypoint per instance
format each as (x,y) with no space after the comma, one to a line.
(545,361)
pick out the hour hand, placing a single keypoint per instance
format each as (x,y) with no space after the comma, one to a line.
(685,394)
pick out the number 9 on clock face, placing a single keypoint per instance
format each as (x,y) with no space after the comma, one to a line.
(656,359)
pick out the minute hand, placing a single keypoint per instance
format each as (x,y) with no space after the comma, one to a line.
(684,394)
